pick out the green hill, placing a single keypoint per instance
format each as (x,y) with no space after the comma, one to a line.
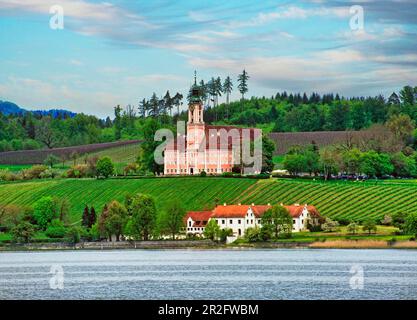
(350,200)
(195,193)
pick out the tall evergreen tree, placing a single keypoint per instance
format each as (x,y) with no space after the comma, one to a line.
(154,106)
(228,88)
(86,217)
(143,107)
(117,122)
(92,218)
(243,83)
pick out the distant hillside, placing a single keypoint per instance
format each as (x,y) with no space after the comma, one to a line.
(38,156)
(7,108)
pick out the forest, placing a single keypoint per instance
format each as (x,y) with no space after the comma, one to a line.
(284,112)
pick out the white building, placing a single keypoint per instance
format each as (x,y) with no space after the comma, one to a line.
(241,217)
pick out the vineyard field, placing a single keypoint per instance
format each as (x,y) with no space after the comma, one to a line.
(194,193)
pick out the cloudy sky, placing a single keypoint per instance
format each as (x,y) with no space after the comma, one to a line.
(118,52)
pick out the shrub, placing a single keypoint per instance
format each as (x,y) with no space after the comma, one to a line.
(130,168)
(78,171)
(49,174)
(6,175)
(34,172)
(410,226)
(203,174)
(330,225)
(224,233)
(253,234)
(105,167)
(23,232)
(45,211)
(56,229)
(353,228)
(74,234)
(227,174)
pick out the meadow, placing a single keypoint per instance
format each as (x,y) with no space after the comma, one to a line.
(342,200)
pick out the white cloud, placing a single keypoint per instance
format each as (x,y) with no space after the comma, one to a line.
(291,12)
(345,71)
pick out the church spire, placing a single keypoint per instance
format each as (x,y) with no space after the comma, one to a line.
(195,77)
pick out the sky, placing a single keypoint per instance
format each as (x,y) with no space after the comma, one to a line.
(121,51)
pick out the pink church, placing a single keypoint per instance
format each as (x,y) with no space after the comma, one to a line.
(212,149)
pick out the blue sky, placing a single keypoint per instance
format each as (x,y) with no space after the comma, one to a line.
(118,52)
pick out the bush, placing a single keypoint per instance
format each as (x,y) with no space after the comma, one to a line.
(74,234)
(252,234)
(45,210)
(410,226)
(35,172)
(6,175)
(49,174)
(203,174)
(23,232)
(227,174)
(56,230)
(105,167)
(78,171)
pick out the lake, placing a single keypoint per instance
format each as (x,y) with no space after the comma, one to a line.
(209,274)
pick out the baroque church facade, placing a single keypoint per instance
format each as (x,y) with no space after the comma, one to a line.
(212,149)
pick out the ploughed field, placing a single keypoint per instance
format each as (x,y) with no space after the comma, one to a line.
(350,200)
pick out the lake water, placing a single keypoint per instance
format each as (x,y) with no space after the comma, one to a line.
(210,274)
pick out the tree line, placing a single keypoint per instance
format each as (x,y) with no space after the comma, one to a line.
(386,150)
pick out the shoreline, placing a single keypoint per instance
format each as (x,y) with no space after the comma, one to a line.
(206,245)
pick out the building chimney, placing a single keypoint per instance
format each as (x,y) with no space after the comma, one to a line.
(239,204)
(253,204)
(225,204)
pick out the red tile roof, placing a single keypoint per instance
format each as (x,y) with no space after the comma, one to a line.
(240,211)
(198,216)
(231,211)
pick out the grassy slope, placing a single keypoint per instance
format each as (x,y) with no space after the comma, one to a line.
(195,193)
(120,155)
(343,200)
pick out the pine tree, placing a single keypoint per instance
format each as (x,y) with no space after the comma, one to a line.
(92,217)
(243,83)
(228,88)
(154,106)
(168,105)
(86,217)
(143,107)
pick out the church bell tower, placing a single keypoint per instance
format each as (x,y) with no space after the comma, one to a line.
(195,108)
